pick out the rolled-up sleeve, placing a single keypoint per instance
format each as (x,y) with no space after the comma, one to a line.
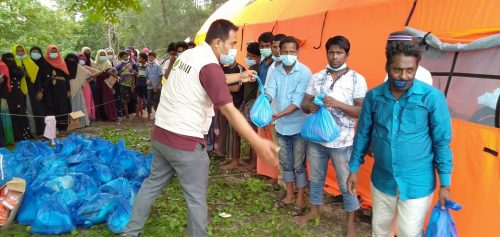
(441,132)
(363,134)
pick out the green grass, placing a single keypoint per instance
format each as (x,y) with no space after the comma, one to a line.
(245,196)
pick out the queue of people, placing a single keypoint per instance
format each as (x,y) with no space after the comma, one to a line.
(205,103)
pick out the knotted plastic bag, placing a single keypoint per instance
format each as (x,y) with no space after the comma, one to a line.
(441,223)
(261,113)
(320,126)
(53,218)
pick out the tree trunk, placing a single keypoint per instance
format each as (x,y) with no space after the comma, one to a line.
(110,36)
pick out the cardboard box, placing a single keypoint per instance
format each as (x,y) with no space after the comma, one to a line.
(17,187)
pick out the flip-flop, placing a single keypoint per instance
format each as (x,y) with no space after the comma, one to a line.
(276,186)
(298,211)
(280,204)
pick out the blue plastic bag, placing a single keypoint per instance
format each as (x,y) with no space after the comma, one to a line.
(320,126)
(441,223)
(83,185)
(119,187)
(95,209)
(53,218)
(120,215)
(261,112)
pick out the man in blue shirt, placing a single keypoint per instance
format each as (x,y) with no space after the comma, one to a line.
(409,126)
(286,86)
(154,74)
(265,43)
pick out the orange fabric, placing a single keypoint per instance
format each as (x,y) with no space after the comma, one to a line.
(457,21)
(264,168)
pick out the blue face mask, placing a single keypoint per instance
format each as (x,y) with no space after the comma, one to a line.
(277,58)
(20,57)
(53,55)
(250,62)
(228,59)
(102,58)
(399,84)
(36,56)
(288,60)
(81,62)
(265,52)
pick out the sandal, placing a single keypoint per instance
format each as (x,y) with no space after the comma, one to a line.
(280,204)
(276,186)
(298,211)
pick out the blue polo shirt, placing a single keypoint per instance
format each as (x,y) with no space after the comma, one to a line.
(286,89)
(410,140)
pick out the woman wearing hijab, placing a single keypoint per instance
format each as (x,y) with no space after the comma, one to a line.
(59,87)
(111,56)
(105,98)
(87,51)
(16,99)
(6,134)
(87,92)
(77,79)
(101,62)
(43,79)
(32,88)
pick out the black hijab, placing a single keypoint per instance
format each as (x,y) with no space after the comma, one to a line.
(72,64)
(14,70)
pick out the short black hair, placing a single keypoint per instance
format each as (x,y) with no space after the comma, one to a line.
(171,47)
(191,43)
(219,29)
(340,41)
(153,54)
(181,44)
(404,48)
(279,37)
(266,37)
(122,53)
(143,56)
(253,48)
(289,39)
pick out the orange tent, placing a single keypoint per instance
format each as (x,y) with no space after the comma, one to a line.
(464,71)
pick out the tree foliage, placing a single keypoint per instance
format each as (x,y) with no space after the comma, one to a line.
(100,23)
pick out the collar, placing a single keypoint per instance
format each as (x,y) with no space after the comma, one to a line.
(416,88)
(281,68)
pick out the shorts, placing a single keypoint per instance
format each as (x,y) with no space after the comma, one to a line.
(126,93)
(141,92)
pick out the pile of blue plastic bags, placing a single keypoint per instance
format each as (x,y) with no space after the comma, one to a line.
(78,182)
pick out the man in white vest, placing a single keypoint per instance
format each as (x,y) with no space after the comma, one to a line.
(195,86)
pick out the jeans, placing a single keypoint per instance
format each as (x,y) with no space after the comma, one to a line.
(318,156)
(292,159)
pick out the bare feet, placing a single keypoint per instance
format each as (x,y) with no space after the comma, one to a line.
(311,215)
(233,164)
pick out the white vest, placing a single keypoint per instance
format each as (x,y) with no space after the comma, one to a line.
(185,107)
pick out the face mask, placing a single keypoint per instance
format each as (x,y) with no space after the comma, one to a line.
(344,66)
(20,57)
(265,52)
(81,62)
(36,56)
(102,58)
(399,84)
(111,57)
(288,60)
(228,59)
(53,55)
(124,61)
(250,62)
(277,58)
